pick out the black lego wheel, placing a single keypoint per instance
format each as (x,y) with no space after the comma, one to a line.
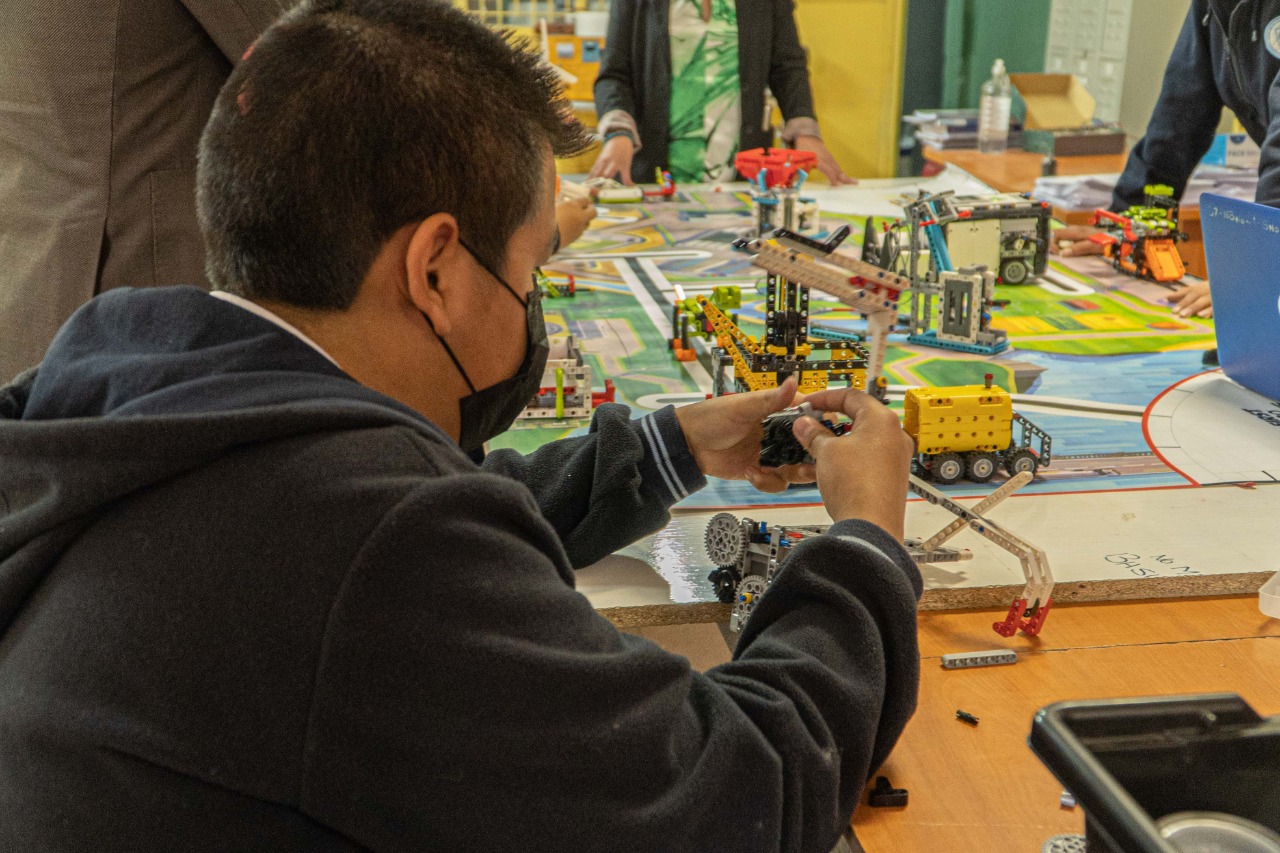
(1021,460)
(1014,271)
(980,467)
(946,468)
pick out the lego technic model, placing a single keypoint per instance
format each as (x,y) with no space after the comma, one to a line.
(794,264)
(779,446)
(566,386)
(553,289)
(611,191)
(1143,240)
(666,187)
(1007,233)
(748,554)
(776,177)
(689,321)
(968,431)
(964,296)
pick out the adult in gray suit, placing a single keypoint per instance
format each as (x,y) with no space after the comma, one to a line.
(101,107)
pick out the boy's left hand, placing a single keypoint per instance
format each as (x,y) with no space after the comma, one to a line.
(724,435)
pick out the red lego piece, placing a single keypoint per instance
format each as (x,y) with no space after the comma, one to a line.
(605,396)
(1031,627)
(668,188)
(1014,621)
(1009,626)
(780,165)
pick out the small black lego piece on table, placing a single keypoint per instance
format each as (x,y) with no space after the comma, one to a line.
(966,717)
(884,794)
(780,445)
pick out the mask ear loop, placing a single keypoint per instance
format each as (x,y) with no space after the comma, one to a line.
(502,281)
(431,279)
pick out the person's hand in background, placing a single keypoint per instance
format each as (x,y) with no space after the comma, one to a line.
(573,215)
(615,160)
(1192,300)
(827,164)
(1073,240)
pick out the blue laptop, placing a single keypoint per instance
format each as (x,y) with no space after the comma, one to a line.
(1242,254)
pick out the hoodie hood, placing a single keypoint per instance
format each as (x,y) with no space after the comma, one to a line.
(141,386)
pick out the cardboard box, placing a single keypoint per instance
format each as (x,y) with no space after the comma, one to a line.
(1074,143)
(1058,117)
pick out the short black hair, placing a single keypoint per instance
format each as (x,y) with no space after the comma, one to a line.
(350,119)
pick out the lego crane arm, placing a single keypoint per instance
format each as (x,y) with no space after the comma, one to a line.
(853,290)
(869,290)
(733,340)
(871,273)
(1012,485)
(1035,564)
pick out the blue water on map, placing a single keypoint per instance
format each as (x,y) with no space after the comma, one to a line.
(1134,380)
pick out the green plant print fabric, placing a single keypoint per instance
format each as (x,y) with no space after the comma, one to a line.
(706,100)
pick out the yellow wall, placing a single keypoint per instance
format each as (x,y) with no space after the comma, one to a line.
(856,52)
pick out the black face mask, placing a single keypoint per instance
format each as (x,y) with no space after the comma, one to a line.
(491,411)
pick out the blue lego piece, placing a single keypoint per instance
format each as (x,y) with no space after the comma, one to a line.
(930,339)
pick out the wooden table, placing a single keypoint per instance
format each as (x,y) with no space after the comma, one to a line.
(1016,171)
(982,789)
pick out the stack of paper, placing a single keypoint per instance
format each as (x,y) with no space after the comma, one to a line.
(951,129)
(1089,192)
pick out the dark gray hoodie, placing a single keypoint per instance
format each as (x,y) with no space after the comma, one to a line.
(248,604)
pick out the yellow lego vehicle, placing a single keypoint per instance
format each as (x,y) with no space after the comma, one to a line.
(968,430)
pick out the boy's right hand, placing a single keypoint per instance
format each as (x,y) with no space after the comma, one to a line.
(615,160)
(862,474)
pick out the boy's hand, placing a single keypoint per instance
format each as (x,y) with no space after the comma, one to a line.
(864,473)
(724,435)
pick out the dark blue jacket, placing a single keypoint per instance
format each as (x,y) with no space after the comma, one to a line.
(1227,54)
(635,75)
(249,604)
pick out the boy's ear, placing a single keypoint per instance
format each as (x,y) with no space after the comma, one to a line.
(432,267)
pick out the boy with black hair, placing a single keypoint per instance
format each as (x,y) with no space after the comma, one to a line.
(253,592)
